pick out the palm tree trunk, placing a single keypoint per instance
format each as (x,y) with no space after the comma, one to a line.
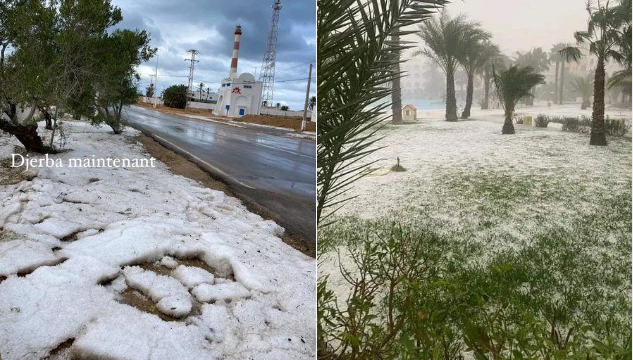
(451,103)
(396,91)
(585,103)
(561,86)
(508,127)
(556,83)
(469,96)
(486,90)
(598,136)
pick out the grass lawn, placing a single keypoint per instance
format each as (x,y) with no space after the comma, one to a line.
(536,224)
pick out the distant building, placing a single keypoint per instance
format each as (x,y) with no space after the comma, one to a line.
(241,94)
(409,113)
(203,96)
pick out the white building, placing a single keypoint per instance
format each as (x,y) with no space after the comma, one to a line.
(239,94)
(203,96)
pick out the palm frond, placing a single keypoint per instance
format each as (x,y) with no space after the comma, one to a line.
(571,53)
(515,84)
(620,78)
(355,68)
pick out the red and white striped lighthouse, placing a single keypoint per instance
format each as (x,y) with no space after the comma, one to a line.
(236,50)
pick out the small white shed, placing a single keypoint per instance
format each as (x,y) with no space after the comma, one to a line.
(409,113)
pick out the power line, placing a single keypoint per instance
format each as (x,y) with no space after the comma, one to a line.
(290,80)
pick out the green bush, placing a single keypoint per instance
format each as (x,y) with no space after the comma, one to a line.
(541,121)
(414,295)
(616,127)
(175,96)
(573,124)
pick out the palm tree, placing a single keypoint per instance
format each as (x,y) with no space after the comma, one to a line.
(538,60)
(497,59)
(355,67)
(445,45)
(604,36)
(583,86)
(622,78)
(396,93)
(559,76)
(200,89)
(513,85)
(476,56)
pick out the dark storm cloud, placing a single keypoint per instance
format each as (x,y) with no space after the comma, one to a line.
(208,26)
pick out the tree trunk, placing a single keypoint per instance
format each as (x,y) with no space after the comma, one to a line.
(508,127)
(26,134)
(486,91)
(585,104)
(561,86)
(396,91)
(556,83)
(598,136)
(48,119)
(469,96)
(451,103)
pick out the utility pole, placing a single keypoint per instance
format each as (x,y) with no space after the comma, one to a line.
(305,106)
(192,66)
(155,98)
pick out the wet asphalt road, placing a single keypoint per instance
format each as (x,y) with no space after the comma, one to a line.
(268,169)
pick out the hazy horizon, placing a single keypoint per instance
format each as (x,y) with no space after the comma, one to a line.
(521,25)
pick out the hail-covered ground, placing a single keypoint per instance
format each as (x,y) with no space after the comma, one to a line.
(496,193)
(139,263)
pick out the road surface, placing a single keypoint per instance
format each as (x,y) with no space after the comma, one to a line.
(266,167)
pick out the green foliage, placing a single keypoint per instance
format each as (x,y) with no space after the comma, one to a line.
(537,59)
(515,84)
(541,121)
(414,295)
(512,85)
(120,53)
(149,91)
(175,96)
(583,87)
(574,124)
(449,42)
(616,127)
(355,65)
(63,55)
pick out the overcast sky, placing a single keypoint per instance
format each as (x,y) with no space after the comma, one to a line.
(208,26)
(520,25)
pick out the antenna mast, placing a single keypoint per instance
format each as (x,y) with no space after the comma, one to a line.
(267,72)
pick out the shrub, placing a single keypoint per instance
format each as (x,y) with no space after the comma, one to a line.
(616,127)
(285,108)
(541,121)
(175,96)
(573,124)
(414,294)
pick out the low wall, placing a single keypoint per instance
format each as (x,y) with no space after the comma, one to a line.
(201,105)
(287,113)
